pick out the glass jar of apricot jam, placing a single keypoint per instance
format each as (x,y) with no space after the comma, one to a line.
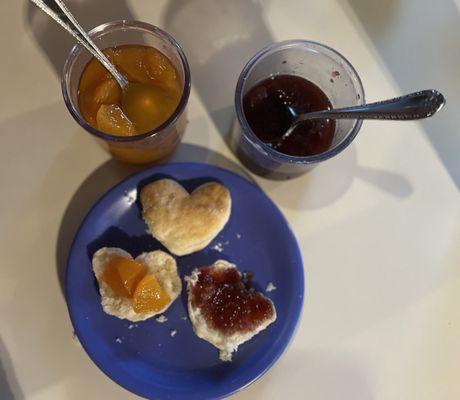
(144,54)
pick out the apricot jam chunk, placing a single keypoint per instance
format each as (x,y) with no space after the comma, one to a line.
(149,296)
(161,70)
(110,119)
(123,275)
(130,61)
(107,92)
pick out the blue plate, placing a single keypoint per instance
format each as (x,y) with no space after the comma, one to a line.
(144,357)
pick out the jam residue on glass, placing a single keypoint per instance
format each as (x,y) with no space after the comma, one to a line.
(266,109)
(229,303)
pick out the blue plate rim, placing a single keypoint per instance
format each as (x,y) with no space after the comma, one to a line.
(298,305)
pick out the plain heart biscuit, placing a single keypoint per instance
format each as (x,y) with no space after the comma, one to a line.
(183,222)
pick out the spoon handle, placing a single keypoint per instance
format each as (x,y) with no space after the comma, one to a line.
(416,105)
(71,25)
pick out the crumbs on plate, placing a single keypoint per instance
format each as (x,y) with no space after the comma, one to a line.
(161,319)
(270,287)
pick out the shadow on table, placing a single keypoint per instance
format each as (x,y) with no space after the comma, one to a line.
(329,181)
(9,386)
(54,41)
(218,37)
(418,42)
(107,175)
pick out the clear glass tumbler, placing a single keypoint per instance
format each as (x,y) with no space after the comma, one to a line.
(148,147)
(320,64)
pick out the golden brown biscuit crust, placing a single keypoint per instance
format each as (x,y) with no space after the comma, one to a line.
(182,222)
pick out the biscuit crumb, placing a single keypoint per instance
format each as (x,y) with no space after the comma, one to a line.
(184,318)
(132,326)
(118,340)
(238,236)
(218,247)
(173,332)
(161,319)
(270,287)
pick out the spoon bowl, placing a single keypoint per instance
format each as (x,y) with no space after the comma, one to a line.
(141,104)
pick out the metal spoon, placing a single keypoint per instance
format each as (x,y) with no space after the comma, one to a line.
(71,25)
(412,106)
(138,100)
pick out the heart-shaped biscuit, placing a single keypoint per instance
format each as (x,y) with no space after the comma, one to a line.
(183,222)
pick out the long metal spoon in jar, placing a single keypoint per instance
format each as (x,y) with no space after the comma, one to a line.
(139,100)
(412,106)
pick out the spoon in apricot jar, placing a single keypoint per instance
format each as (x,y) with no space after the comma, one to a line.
(139,100)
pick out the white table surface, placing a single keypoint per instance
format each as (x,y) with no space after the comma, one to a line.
(378,226)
